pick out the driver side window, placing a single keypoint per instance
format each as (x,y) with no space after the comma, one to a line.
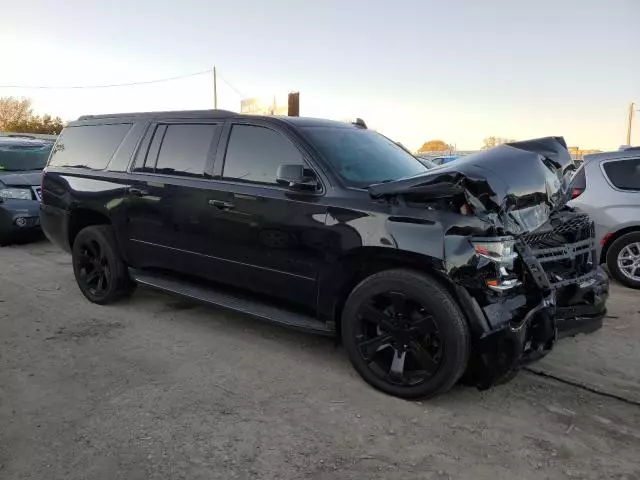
(254,154)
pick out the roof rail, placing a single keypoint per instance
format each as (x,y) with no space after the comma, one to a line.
(187,113)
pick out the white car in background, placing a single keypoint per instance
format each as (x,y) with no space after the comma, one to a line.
(607,187)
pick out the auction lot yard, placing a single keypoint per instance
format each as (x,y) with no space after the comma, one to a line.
(159,388)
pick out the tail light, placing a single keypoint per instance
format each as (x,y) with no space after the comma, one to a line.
(578,184)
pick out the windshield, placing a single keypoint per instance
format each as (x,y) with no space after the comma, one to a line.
(16,158)
(362,157)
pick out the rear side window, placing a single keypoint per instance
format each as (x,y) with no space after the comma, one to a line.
(185,149)
(90,146)
(624,174)
(255,153)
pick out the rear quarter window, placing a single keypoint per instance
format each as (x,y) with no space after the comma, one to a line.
(88,146)
(624,174)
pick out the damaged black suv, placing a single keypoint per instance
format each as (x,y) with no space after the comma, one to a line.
(426,276)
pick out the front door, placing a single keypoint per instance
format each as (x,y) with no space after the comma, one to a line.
(263,236)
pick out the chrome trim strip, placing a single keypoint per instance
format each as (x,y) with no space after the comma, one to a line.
(224,259)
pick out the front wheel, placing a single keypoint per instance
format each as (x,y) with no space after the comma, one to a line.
(98,267)
(405,335)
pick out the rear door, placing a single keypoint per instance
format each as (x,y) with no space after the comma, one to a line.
(167,202)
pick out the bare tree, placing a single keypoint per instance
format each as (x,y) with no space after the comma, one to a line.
(14,110)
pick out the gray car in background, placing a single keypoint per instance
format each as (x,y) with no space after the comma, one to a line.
(22,159)
(607,187)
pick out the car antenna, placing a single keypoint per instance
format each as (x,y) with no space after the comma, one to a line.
(360,123)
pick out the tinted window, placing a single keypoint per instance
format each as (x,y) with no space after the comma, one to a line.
(363,157)
(624,174)
(88,146)
(185,149)
(21,157)
(254,154)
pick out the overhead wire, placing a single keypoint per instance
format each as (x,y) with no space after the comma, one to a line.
(146,82)
(231,86)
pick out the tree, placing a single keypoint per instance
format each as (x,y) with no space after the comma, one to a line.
(37,124)
(491,142)
(14,110)
(434,146)
(16,115)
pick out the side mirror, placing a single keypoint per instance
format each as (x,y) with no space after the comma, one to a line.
(297,177)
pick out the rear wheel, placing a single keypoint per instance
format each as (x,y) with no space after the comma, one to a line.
(405,335)
(623,259)
(98,267)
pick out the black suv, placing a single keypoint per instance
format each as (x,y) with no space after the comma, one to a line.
(425,275)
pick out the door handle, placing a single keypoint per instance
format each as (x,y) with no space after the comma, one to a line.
(220,205)
(138,192)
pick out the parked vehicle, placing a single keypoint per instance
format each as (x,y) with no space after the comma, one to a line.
(425,275)
(607,187)
(444,159)
(427,162)
(21,163)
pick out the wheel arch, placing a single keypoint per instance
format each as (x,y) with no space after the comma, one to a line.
(610,238)
(349,270)
(82,217)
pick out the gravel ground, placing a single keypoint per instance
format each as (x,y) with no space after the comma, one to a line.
(159,388)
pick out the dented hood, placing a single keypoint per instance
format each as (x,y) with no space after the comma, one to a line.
(514,186)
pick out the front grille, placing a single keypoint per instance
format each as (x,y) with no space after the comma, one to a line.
(560,252)
(558,232)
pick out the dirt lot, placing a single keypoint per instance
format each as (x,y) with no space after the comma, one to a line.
(159,388)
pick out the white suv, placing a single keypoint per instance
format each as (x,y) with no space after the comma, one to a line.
(607,187)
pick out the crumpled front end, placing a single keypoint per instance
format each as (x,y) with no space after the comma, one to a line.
(532,275)
(557,290)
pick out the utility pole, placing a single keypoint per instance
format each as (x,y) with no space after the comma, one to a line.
(293,109)
(215,89)
(630,122)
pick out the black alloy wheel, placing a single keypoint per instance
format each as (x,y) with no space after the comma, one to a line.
(405,334)
(398,338)
(93,267)
(98,267)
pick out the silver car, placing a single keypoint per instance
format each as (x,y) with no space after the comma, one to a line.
(607,187)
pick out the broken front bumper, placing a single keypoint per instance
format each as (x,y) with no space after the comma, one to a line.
(532,330)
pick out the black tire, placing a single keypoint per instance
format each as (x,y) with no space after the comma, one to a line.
(98,267)
(625,241)
(445,340)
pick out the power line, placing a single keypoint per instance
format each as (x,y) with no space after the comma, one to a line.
(231,86)
(76,87)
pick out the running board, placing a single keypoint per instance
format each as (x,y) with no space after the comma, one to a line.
(230,301)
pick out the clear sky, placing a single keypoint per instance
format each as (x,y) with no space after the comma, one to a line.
(415,70)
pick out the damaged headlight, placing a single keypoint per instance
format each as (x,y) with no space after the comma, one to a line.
(500,250)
